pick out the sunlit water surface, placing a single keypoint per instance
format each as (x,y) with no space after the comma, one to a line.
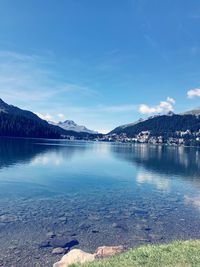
(93,194)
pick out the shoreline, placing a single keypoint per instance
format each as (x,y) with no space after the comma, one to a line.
(173,254)
(98,141)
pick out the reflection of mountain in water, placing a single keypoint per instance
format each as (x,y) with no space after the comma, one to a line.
(18,151)
(162,159)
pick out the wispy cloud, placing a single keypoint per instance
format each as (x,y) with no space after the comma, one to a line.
(163,107)
(28,78)
(102,109)
(117,109)
(92,111)
(193,93)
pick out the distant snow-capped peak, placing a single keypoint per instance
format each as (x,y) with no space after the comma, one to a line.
(70,125)
(192,112)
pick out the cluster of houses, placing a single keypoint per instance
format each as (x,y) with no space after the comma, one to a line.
(178,138)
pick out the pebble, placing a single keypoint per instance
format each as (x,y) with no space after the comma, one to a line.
(95,231)
(50,235)
(147,229)
(58,250)
(119,226)
(84,226)
(7,218)
(63,220)
(94,218)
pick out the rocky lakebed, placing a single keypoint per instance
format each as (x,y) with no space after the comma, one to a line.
(57,196)
(38,232)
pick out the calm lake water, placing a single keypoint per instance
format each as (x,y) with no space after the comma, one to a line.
(55,193)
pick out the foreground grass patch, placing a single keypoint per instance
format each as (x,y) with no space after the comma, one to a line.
(176,254)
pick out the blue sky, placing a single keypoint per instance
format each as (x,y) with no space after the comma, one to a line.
(100,63)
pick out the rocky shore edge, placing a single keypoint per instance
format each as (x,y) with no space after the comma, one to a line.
(78,256)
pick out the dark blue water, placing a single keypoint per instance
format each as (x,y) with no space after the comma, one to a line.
(94,193)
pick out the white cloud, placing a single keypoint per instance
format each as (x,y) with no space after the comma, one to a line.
(171,100)
(103,131)
(163,107)
(144,109)
(51,117)
(193,93)
(46,117)
(61,115)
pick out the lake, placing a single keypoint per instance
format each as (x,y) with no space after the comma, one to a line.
(91,194)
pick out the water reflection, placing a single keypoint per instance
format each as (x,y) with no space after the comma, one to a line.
(97,193)
(159,166)
(36,151)
(160,161)
(179,161)
(193,200)
(20,151)
(159,182)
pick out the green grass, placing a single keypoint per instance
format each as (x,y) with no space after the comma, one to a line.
(176,254)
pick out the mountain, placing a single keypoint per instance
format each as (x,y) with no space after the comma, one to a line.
(162,125)
(120,129)
(192,112)
(70,125)
(10,109)
(17,122)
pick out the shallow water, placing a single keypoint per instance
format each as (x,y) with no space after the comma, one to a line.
(94,193)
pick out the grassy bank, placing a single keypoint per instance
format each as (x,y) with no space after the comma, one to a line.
(176,254)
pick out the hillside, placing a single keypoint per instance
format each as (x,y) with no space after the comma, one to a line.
(16,122)
(192,112)
(10,109)
(173,129)
(164,125)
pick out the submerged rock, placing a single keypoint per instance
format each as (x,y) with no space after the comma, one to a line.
(62,242)
(73,257)
(94,217)
(50,235)
(63,219)
(116,225)
(58,242)
(107,251)
(147,229)
(72,243)
(95,231)
(56,251)
(7,218)
(84,226)
(119,226)
(44,244)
